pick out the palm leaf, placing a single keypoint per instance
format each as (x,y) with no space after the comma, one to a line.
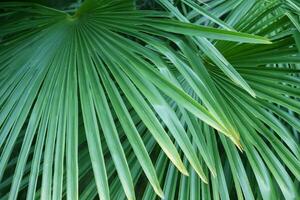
(116,102)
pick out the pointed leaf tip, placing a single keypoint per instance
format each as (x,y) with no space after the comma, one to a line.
(183,170)
(159,192)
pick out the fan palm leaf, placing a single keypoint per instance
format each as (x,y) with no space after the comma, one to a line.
(91,100)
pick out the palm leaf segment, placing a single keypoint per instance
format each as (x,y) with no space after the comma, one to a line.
(111,82)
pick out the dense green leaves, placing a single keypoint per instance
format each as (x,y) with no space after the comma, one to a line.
(188,100)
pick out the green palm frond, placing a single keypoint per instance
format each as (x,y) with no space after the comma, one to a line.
(188,101)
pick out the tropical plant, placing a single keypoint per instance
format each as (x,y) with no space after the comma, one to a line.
(117,99)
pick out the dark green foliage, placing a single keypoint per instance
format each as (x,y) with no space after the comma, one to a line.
(122,99)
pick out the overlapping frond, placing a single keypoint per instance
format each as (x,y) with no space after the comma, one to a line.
(115,102)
